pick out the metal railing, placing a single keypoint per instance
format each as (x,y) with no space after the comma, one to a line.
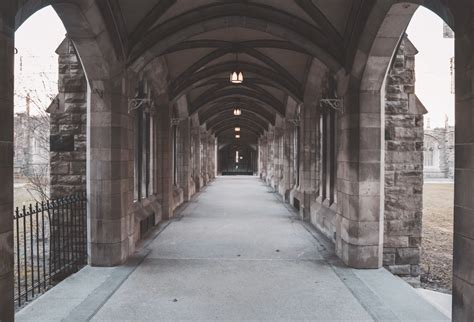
(50,244)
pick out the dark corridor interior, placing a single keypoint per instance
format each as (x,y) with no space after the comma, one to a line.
(237,159)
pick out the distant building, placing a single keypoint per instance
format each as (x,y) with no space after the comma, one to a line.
(31,152)
(438,152)
(447,31)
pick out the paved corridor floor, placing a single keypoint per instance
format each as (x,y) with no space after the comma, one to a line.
(235,252)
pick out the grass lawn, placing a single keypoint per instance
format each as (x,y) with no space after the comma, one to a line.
(437,243)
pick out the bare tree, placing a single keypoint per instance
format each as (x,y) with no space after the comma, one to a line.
(34,136)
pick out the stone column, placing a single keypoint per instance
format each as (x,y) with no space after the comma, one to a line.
(165,158)
(263,156)
(196,132)
(185,142)
(212,157)
(287,161)
(110,172)
(203,156)
(7,46)
(359,221)
(270,154)
(463,263)
(277,167)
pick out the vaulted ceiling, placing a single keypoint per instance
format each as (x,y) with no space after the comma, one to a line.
(271,41)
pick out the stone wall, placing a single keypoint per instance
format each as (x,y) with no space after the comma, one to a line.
(68,119)
(403,167)
(325,196)
(68,126)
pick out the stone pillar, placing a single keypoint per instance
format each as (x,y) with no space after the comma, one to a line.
(165,157)
(212,157)
(263,156)
(463,262)
(7,30)
(277,150)
(196,137)
(359,219)
(287,161)
(270,154)
(110,172)
(203,136)
(260,157)
(186,171)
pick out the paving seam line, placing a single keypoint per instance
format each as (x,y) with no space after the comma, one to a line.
(370,301)
(83,310)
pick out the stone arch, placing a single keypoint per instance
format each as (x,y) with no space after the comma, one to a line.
(247,21)
(109,88)
(360,241)
(86,29)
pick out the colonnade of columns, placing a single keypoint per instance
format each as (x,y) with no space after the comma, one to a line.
(294,154)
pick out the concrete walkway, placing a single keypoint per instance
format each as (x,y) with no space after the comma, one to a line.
(235,253)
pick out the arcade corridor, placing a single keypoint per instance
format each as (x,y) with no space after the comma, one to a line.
(158,99)
(235,252)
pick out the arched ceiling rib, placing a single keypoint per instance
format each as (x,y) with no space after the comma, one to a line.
(225,110)
(229,125)
(262,97)
(271,41)
(257,123)
(182,84)
(286,25)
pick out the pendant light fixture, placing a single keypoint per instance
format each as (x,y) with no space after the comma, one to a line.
(237,77)
(237,111)
(237,129)
(237,136)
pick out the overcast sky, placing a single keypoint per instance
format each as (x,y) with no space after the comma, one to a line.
(36,62)
(38,38)
(432,66)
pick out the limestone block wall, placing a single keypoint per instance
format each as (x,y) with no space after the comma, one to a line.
(68,125)
(403,167)
(403,164)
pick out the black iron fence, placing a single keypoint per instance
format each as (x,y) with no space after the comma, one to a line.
(50,244)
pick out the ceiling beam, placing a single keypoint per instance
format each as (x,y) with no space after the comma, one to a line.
(150,19)
(182,85)
(257,43)
(227,106)
(114,23)
(194,22)
(236,93)
(239,119)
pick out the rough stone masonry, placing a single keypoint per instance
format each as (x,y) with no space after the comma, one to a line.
(403,167)
(68,126)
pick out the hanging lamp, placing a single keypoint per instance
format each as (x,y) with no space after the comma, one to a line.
(236,76)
